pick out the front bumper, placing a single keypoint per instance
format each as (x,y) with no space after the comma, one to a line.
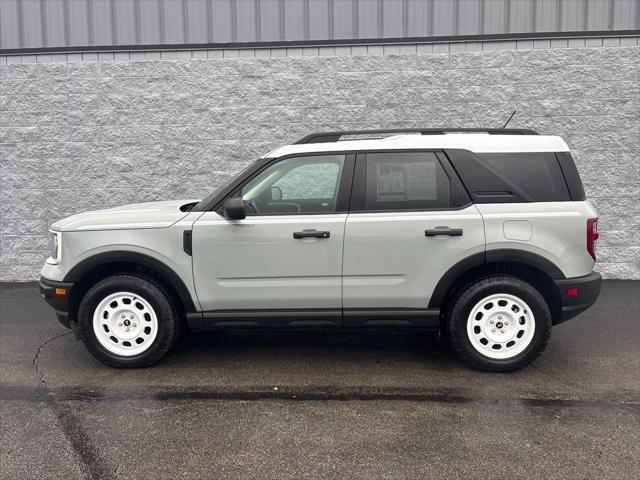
(577,294)
(56,294)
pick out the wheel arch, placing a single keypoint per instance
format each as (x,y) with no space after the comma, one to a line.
(528,266)
(102,265)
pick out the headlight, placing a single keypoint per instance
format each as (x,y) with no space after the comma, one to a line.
(54,247)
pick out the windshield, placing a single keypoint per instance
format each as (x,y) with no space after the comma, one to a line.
(206,200)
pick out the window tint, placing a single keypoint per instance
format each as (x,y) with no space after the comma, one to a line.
(538,175)
(411,180)
(295,186)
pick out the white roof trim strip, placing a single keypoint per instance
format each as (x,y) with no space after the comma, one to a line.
(474,142)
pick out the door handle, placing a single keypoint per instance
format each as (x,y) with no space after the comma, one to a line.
(451,232)
(311,234)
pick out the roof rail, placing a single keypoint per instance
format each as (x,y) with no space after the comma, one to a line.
(324,137)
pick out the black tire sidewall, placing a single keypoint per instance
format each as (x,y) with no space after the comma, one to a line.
(152,293)
(482,289)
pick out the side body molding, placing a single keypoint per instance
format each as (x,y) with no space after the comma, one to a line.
(491,256)
(124,256)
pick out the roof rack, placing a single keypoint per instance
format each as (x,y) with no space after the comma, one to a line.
(324,137)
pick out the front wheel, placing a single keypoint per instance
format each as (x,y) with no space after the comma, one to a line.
(127,321)
(499,324)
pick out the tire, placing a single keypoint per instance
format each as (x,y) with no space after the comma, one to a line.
(499,324)
(127,321)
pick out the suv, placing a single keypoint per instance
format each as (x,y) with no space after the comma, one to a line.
(484,235)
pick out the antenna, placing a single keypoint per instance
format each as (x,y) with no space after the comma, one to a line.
(505,125)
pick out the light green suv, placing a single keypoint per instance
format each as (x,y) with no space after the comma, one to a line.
(483,234)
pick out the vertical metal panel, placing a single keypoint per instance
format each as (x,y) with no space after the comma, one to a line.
(418,11)
(114,23)
(443,17)
(520,17)
(101,22)
(598,15)
(124,19)
(294,24)
(547,15)
(197,21)
(31,24)
(149,22)
(343,20)
(43,23)
(625,14)
(330,20)
(405,18)
(66,22)
(392,18)
(246,21)
(173,21)
(494,16)
(77,23)
(20,23)
(269,20)
(9,24)
(468,23)
(185,20)
(368,18)
(572,15)
(137,21)
(318,19)
(233,11)
(55,22)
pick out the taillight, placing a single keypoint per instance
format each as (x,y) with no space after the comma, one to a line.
(592,236)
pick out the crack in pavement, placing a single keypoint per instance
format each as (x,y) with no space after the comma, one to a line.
(91,462)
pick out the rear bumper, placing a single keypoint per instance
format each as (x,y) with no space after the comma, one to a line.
(577,294)
(51,291)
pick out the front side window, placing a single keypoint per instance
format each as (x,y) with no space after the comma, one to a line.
(298,185)
(405,181)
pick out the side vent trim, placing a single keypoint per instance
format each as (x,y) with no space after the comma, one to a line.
(187,242)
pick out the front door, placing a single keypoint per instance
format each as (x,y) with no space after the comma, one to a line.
(410,222)
(282,264)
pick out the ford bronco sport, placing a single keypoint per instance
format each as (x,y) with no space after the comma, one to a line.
(484,235)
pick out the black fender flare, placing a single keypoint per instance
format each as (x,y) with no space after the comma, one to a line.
(106,258)
(491,256)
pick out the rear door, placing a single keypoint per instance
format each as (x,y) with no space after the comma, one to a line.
(410,221)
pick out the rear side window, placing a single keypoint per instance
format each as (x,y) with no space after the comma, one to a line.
(511,177)
(571,175)
(537,174)
(404,181)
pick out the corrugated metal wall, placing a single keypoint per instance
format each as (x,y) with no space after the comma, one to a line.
(79,23)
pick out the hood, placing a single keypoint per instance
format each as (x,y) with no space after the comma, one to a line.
(137,215)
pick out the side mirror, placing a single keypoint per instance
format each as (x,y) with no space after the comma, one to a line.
(233,209)
(276,193)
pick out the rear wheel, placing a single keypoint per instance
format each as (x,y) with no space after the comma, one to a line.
(499,324)
(127,321)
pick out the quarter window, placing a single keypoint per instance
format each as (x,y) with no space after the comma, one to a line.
(405,181)
(538,175)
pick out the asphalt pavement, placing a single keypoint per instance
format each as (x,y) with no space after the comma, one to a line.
(320,405)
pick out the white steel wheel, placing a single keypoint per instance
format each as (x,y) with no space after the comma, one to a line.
(125,324)
(500,326)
